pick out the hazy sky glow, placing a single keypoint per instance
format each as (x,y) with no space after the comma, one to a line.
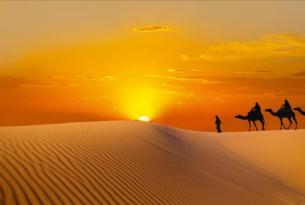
(176,62)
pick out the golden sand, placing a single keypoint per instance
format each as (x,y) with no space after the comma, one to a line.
(146,163)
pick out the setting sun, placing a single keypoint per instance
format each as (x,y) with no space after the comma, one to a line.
(144,118)
(142,101)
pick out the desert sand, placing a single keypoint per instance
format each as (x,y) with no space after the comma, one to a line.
(146,163)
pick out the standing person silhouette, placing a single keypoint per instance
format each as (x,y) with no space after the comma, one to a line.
(218,123)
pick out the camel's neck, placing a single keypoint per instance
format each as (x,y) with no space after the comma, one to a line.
(301,111)
(242,117)
(272,112)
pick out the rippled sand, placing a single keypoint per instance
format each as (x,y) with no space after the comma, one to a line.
(146,163)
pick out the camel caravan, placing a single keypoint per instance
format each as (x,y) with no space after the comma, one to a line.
(284,112)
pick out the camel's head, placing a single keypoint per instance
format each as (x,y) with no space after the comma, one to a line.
(297,108)
(238,116)
(268,110)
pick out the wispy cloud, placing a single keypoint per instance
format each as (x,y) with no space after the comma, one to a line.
(21,82)
(230,86)
(109,78)
(16,82)
(91,76)
(174,70)
(272,45)
(253,72)
(176,78)
(262,71)
(151,28)
(299,74)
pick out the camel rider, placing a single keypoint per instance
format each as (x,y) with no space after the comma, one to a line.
(286,106)
(256,109)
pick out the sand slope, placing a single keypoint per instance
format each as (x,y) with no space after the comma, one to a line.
(145,163)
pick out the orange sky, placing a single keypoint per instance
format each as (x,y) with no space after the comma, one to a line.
(179,63)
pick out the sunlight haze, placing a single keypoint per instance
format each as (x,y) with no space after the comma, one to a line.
(176,62)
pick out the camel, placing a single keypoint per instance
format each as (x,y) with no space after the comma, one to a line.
(300,110)
(281,114)
(252,118)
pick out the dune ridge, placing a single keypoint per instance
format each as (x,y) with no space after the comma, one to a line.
(145,163)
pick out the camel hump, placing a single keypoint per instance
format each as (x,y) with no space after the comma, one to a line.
(286,110)
(255,114)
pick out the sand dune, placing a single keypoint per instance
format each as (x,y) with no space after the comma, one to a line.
(145,163)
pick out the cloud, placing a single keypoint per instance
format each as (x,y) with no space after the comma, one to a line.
(272,45)
(201,85)
(16,82)
(174,70)
(185,57)
(299,74)
(176,78)
(109,78)
(22,82)
(151,28)
(262,71)
(91,76)
(103,97)
(253,72)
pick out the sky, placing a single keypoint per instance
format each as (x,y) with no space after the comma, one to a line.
(178,62)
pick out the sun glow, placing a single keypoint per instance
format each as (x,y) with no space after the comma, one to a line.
(142,103)
(139,102)
(144,118)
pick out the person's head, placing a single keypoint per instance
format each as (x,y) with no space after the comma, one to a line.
(286,101)
(217,116)
(256,103)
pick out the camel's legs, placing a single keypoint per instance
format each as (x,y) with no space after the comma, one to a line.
(249,125)
(282,125)
(296,122)
(290,122)
(255,125)
(263,124)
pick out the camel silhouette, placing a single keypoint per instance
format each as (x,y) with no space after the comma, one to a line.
(300,110)
(252,117)
(281,114)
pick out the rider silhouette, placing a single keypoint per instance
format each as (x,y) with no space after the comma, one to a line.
(218,123)
(256,110)
(286,106)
